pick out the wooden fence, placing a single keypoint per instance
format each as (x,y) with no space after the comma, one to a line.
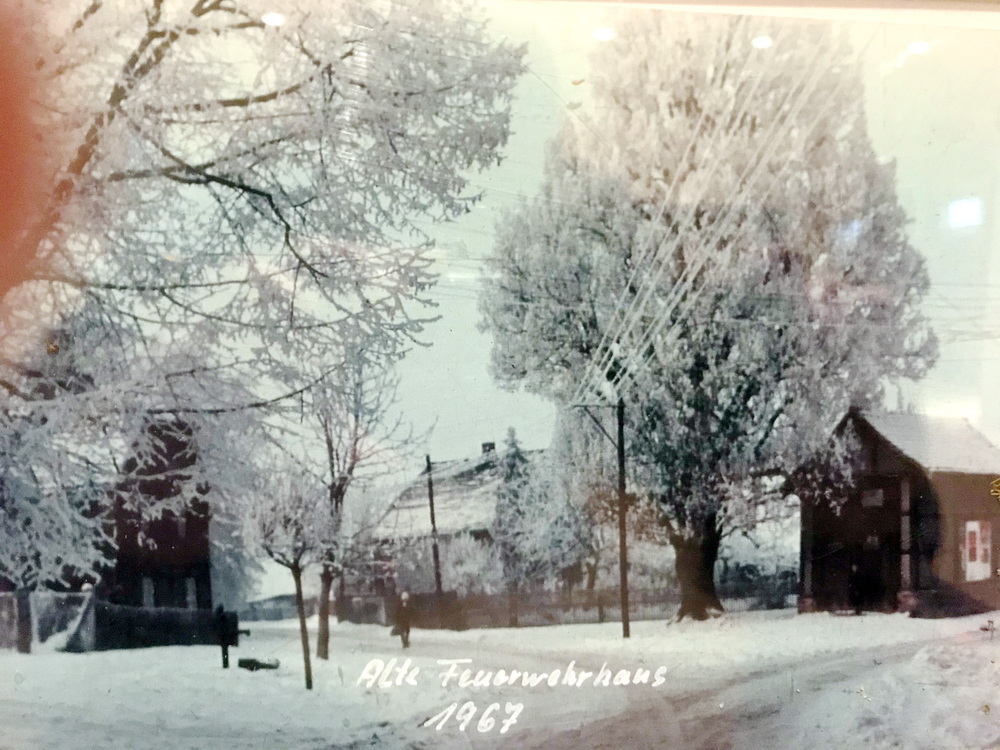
(79,622)
(537,608)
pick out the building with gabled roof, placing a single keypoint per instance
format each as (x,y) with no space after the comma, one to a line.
(919,531)
(465,496)
(465,499)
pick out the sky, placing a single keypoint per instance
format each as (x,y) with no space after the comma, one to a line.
(933,104)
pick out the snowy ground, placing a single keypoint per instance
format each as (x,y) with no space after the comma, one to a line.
(757,680)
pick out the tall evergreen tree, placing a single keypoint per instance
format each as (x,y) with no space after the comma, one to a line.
(510,512)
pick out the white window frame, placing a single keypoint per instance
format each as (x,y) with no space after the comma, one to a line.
(976,547)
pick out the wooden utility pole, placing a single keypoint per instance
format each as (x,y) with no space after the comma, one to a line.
(434,532)
(622,510)
(619,443)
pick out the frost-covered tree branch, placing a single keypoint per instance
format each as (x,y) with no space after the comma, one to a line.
(230,203)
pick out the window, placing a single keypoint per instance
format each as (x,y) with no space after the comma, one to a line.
(873,498)
(976,550)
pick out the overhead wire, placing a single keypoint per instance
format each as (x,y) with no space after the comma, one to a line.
(803,89)
(687,286)
(646,252)
(652,280)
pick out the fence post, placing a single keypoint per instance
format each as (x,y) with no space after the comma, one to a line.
(22,607)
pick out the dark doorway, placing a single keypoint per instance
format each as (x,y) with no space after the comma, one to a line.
(856,549)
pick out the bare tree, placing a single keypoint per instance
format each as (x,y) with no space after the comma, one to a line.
(290,527)
(353,413)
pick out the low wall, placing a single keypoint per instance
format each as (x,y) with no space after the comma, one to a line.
(139,627)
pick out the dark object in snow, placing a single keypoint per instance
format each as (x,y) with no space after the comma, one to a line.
(117,626)
(253,665)
(227,628)
(856,588)
(404,614)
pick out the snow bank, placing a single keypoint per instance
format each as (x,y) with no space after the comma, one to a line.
(741,642)
(946,697)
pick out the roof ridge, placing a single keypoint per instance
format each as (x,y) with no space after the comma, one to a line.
(965,449)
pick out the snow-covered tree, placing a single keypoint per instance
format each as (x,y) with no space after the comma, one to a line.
(250,189)
(57,465)
(536,531)
(583,471)
(353,414)
(719,245)
(508,523)
(233,196)
(469,565)
(79,425)
(290,521)
(220,176)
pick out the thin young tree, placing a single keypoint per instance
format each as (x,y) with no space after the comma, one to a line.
(353,412)
(290,521)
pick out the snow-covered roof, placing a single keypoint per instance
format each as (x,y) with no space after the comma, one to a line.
(942,444)
(464,500)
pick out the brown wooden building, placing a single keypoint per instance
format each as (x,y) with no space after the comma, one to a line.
(163,557)
(920,530)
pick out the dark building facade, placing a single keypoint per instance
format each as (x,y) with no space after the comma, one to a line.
(919,530)
(163,555)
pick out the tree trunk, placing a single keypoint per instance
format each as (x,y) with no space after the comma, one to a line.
(323,629)
(22,606)
(695,566)
(341,595)
(300,605)
(591,574)
(512,605)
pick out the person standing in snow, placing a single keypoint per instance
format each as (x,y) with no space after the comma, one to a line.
(403,618)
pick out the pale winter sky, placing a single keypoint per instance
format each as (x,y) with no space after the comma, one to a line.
(933,100)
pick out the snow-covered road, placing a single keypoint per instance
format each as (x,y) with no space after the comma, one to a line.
(930,694)
(759,711)
(755,680)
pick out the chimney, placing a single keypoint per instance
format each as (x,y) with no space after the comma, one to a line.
(489,448)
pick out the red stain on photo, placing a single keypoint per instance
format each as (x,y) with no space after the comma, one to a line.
(22,182)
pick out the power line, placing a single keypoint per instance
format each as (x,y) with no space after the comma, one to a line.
(629,309)
(685,286)
(685,281)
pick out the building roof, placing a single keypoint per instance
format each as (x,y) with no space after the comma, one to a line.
(464,500)
(940,444)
